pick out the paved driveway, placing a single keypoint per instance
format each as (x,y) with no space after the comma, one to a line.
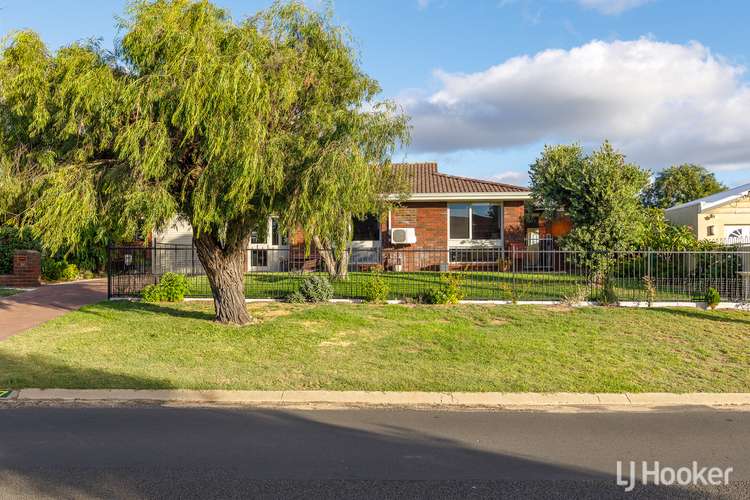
(25,310)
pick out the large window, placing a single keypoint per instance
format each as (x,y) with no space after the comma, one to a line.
(476,221)
(367,229)
(459,222)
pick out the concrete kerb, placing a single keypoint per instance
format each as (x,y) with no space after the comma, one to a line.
(397,399)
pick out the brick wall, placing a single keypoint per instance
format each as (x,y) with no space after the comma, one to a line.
(430,221)
(27,270)
(513,227)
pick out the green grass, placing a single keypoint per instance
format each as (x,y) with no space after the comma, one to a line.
(395,348)
(476,286)
(7,292)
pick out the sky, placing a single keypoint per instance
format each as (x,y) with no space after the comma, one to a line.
(487,83)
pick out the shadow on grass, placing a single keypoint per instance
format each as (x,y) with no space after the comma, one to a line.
(41,371)
(701,314)
(151,308)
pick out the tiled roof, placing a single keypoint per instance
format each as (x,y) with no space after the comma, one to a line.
(425,178)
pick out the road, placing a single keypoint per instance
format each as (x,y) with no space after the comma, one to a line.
(219,452)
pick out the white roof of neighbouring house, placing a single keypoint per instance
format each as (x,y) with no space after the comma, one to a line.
(716,199)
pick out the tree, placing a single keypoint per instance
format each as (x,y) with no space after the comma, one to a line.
(681,184)
(599,192)
(198,116)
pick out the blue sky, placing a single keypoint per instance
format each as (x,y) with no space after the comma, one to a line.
(488,83)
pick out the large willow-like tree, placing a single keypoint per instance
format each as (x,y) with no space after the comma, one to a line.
(198,116)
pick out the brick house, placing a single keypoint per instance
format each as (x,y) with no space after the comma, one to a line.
(448,221)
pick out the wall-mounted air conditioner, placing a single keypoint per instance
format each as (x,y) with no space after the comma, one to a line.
(403,236)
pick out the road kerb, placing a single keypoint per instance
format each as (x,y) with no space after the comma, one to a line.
(402,399)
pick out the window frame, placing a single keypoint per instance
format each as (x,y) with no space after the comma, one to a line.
(470,241)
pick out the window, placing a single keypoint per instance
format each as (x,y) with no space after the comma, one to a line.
(710,231)
(485,222)
(278,238)
(367,229)
(259,258)
(458,222)
(477,221)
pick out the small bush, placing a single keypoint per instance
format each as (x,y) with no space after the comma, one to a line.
(576,297)
(609,294)
(171,288)
(449,291)
(316,289)
(58,270)
(376,289)
(712,298)
(650,289)
(295,298)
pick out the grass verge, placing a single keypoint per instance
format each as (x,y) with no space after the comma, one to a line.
(391,348)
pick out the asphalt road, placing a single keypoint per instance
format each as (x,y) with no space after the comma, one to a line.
(147,452)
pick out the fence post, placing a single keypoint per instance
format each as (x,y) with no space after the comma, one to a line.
(513,272)
(109,271)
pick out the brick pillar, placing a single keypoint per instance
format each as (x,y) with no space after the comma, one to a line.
(27,270)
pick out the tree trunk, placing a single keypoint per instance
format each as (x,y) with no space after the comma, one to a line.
(337,263)
(226,275)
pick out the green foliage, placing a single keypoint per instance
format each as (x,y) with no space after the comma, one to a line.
(449,291)
(58,270)
(600,194)
(712,298)
(296,298)
(660,234)
(681,184)
(172,287)
(316,289)
(650,288)
(376,289)
(196,115)
(12,239)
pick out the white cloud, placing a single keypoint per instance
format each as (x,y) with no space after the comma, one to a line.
(611,7)
(661,103)
(423,4)
(511,177)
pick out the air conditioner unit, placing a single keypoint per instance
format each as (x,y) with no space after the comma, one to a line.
(403,236)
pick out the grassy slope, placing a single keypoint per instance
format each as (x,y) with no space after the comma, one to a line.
(431,348)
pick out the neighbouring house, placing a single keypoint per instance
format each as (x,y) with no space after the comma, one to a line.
(447,222)
(723,216)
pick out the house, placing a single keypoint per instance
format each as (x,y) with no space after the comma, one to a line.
(447,221)
(723,216)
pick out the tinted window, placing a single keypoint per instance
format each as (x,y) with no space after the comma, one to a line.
(485,222)
(459,222)
(367,229)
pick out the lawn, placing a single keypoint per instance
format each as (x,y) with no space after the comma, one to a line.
(394,348)
(7,292)
(476,286)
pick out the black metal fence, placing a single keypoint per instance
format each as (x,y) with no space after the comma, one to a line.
(486,273)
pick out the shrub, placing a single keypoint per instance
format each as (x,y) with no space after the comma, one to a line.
(376,289)
(650,289)
(576,297)
(712,298)
(58,270)
(171,288)
(295,298)
(449,291)
(316,289)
